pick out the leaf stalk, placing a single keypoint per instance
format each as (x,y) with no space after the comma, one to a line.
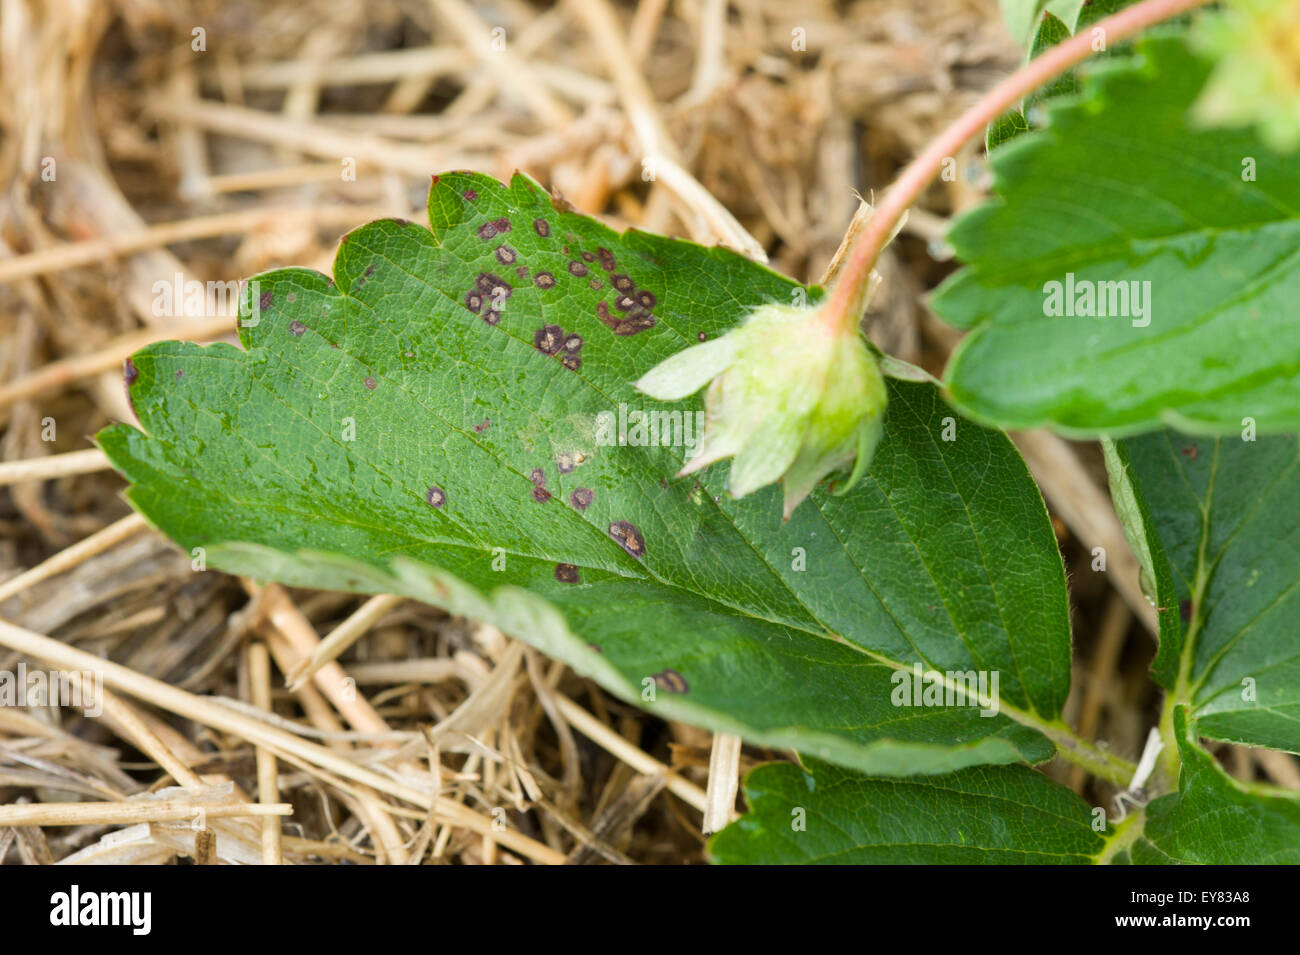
(851,287)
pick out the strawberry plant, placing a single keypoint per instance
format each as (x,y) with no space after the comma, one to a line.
(522,416)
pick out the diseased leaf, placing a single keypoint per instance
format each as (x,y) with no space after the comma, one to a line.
(1214,819)
(1220,526)
(1185,237)
(991,815)
(442,419)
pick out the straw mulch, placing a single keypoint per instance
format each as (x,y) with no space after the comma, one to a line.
(142,139)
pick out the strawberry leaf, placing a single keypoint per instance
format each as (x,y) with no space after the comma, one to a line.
(1218,524)
(989,815)
(1135,271)
(452,417)
(1214,819)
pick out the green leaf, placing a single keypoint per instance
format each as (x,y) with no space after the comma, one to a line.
(1050,32)
(1052,29)
(1095,10)
(1219,521)
(379,435)
(1012,123)
(1120,189)
(992,815)
(1214,819)
(1005,128)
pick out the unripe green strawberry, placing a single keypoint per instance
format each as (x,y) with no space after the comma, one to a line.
(1257,78)
(796,396)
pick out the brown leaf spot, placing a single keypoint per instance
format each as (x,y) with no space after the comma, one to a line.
(701,337)
(606,259)
(541,495)
(371,384)
(503,225)
(646,299)
(492,285)
(622,283)
(596,285)
(571,362)
(566,573)
(296,328)
(492,316)
(671,681)
(487,231)
(180,373)
(538,477)
(573,344)
(506,255)
(589,256)
(436,496)
(471,195)
(474,301)
(482,425)
(564,464)
(265,300)
(1191,451)
(548,339)
(544,280)
(582,497)
(129,374)
(542,228)
(628,537)
(577,268)
(633,324)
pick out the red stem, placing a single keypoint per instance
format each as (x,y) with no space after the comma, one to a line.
(1037,72)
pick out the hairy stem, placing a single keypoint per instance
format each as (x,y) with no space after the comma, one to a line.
(1075,749)
(856,273)
(1122,835)
(1070,746)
